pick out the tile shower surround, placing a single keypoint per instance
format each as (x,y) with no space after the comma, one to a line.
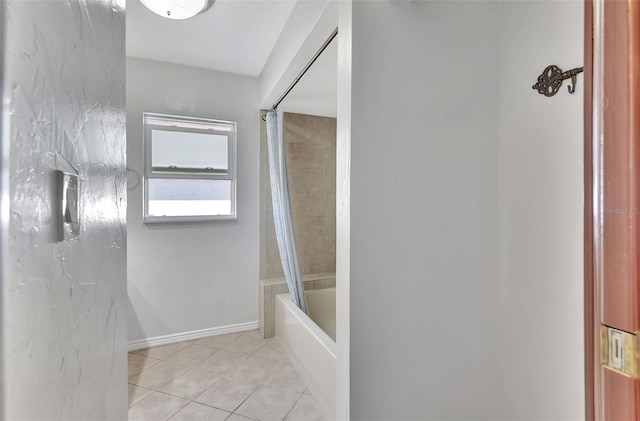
(310,143)
(234,377)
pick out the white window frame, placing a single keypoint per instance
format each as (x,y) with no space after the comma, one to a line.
(220,127)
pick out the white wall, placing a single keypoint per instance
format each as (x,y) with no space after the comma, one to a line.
(541,221)
(466,284)
(424,194)
(64,302)
(187,277)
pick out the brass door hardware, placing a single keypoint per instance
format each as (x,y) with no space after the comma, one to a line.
(550,81)
(620,351)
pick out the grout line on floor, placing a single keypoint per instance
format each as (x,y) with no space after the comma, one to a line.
(279,364)
(294,405)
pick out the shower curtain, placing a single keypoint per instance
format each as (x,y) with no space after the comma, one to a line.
(282,215)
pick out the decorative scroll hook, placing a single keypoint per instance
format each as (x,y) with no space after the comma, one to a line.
(550,80)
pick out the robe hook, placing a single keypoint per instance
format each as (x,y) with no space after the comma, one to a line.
(550,81)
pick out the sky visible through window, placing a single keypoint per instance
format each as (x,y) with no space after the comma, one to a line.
(174,197)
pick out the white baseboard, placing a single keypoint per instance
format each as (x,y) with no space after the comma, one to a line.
(187,336)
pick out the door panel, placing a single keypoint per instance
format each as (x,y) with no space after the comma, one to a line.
(621,165)
(64,299)
(622,395)
(614,389)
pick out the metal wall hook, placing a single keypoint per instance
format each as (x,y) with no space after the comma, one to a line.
(550,81)
(572,87)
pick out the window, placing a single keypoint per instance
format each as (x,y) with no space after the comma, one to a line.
(189,169)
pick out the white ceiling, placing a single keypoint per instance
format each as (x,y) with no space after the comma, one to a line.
(233,36)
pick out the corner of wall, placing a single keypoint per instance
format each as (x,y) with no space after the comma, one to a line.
(343,211)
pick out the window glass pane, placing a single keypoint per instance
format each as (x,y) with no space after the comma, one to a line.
(185,152)
(175,197)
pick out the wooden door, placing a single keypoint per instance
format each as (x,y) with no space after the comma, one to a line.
(612,135)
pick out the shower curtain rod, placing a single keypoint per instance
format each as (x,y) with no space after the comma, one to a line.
(304,70)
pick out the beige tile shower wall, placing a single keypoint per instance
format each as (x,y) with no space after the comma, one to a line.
(311,157)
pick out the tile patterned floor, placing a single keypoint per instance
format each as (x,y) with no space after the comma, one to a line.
(235,377)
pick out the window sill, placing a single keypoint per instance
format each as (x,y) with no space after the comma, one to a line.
(186,219)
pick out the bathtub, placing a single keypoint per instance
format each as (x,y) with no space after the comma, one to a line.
(311,345)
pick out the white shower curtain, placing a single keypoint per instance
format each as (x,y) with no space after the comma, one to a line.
(282,215)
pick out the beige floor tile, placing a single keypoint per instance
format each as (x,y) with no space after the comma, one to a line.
(137,393)
(273,351)
(190,384)
(156,407)
(227,393)
(138,363)
(218,341)
(255,369)
(163,351)
(247,343)
(158,375)
(287,377)
(236,417)
(268,404)
(192,355)
(198,412)
(222,361)
(305,410)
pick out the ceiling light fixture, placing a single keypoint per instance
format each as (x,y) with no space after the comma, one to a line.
(177,9)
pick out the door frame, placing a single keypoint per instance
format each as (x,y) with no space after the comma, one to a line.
(595,129)
(590,339)
(4,196)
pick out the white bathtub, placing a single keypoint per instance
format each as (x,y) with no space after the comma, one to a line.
(310,348)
